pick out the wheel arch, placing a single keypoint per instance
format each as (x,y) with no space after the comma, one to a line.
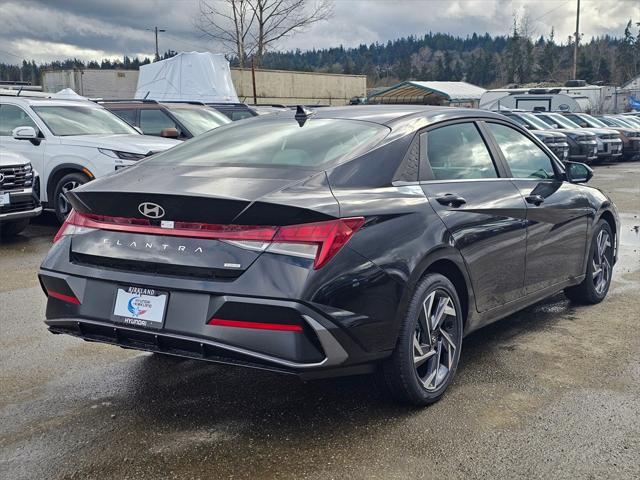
(60,171)
(446,261)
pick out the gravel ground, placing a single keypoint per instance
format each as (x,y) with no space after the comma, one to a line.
(551,392)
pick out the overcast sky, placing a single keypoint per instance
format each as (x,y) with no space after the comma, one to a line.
(91,29)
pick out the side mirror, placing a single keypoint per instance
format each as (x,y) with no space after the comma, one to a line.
(169,133)
(26,133)
(578,172)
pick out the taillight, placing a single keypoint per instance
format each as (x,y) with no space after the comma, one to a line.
(74,224)
(319,241)
(327,238)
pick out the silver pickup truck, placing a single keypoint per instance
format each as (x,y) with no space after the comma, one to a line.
(19,193)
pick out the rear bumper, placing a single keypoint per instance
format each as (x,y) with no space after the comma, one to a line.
(321,348)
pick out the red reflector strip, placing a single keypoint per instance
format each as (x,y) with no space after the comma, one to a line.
(220,322)
(63,297)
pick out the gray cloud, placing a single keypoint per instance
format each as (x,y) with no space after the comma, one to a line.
(58,29)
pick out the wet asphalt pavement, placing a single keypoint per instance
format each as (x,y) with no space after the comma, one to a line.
(551,392)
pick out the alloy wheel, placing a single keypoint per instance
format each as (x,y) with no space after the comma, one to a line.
(601,263)
(435,340)
(63,203)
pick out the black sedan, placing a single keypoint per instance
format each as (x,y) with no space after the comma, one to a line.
(351,240)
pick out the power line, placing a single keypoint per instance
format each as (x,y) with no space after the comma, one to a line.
(551,11)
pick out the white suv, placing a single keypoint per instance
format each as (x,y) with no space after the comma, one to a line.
(70,142)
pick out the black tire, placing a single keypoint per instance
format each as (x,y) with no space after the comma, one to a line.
(13,228)
(68,182)
(593,288)
(405,378)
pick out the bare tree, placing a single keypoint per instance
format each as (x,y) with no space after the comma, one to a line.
(229,22)
(277,19)
(249,28)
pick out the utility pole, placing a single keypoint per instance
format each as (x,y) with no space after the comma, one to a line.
(575,45)
(156,30)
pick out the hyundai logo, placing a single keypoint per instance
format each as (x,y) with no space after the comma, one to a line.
(151,210)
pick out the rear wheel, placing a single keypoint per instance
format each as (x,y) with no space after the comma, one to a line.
(596,284)
(13,228)
(61,204)
(428,348)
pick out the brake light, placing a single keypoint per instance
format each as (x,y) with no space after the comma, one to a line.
(319,241)
(329,237)
(283,327)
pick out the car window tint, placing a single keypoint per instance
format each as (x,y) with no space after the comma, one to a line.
(525,158)
(458,151)
(152,121)
(128,115)
(12,117)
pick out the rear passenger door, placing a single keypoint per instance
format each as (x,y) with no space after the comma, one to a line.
(481,208)
(557,211)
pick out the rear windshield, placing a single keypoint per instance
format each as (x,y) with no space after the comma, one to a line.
(277,142)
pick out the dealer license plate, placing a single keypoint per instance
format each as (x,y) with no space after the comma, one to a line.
(140,307)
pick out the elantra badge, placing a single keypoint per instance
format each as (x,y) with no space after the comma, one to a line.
(151,210)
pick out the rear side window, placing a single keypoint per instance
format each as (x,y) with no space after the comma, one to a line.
(153,121)
(128,115)
(525,158)
(459,152)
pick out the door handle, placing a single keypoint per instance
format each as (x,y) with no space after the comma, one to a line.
(451,200)
(535,199)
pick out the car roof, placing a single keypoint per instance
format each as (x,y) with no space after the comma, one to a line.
(396,115)
(39,101)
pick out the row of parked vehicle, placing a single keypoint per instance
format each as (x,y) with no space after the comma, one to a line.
(49,146)
(582,137)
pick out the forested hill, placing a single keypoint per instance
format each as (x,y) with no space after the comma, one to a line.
(480,59)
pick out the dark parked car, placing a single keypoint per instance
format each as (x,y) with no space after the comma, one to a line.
(181,120)
(235,111)
(335,242)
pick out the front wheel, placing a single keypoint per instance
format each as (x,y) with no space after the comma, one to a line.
(61,204)
(596,284)
(428,348)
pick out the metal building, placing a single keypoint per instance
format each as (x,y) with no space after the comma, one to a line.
(458,94)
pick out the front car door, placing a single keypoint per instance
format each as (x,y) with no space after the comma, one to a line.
(11,117)
(557,211)
(481,208)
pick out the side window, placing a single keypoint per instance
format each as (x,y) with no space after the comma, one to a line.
(152,121)
(525,158)
(12,117)
(459,152)
(578,120)
(128,115)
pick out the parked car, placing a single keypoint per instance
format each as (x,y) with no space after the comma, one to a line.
(235,111)
(629,120)
(269,109)
(181,120)
(70,142)
(19,198)
(630,135)
(582,145)
(341,241)
(609,141)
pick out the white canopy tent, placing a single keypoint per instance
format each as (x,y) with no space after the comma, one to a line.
(189,76)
